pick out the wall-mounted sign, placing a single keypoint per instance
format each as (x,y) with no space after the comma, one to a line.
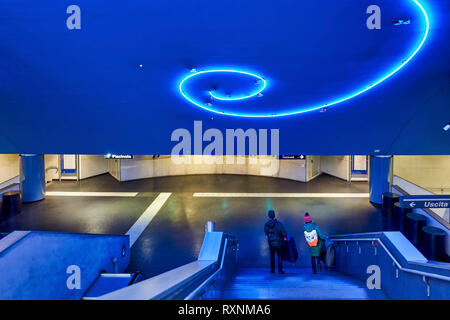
(68,163)
(118,156)
(290,157)
(359,164)
(428,201)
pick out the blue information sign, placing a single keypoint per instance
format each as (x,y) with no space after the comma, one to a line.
(290,157)
(427,201)
(118,156)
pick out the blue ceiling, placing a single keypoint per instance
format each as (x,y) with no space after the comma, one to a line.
(114,85)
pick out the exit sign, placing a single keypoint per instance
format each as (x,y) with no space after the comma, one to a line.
(426,201)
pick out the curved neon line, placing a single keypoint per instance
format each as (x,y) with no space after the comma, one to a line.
(219,97)
(303,110)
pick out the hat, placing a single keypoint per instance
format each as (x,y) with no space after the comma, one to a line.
(307,217)
(271,214)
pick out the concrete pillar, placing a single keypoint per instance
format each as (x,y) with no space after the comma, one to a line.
(32,177)
(380,177)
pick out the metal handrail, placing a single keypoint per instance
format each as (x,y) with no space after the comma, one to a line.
(413,184)
(204,283)
(208,281)
(425,274)
(217,270)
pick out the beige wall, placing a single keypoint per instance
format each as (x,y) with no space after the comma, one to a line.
(429,172)
(51,167)
(9,166)
(92,165)
(146,167)
(338,166)
(312,167)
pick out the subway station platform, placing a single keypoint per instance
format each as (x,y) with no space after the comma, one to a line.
(142,145)
(165,216)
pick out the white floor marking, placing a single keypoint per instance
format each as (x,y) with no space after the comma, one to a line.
(147,217)
(91,194)
(281,195)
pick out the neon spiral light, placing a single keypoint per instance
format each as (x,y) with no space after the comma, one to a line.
(216,109)
(214,95)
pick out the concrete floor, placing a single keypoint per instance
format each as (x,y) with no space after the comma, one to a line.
(175,234)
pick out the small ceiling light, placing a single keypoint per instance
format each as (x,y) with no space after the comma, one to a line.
(401,21)
(323,110)
(193,70)
(377,150)
(141,65)
(260,95)
(447,127)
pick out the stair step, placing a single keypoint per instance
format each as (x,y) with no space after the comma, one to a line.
(297,284)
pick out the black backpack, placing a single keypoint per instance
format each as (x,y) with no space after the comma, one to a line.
(274,237)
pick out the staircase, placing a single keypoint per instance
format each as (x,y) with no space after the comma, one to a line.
(216,275)
(297,284)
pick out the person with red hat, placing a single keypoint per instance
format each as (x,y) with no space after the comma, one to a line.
(315,239)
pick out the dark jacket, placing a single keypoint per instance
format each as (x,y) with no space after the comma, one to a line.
(275,232)
(309,227)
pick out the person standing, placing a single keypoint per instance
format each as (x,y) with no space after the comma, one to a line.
(275,232)
(315,239)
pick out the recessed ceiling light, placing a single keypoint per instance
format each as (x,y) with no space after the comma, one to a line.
(446,127)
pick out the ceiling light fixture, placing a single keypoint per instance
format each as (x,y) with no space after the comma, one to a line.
(300,109)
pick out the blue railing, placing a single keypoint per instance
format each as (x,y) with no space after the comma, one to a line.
(404,273)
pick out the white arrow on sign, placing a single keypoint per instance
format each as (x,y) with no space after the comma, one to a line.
(412,204)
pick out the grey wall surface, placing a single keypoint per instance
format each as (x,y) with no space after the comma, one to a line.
(34,264)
